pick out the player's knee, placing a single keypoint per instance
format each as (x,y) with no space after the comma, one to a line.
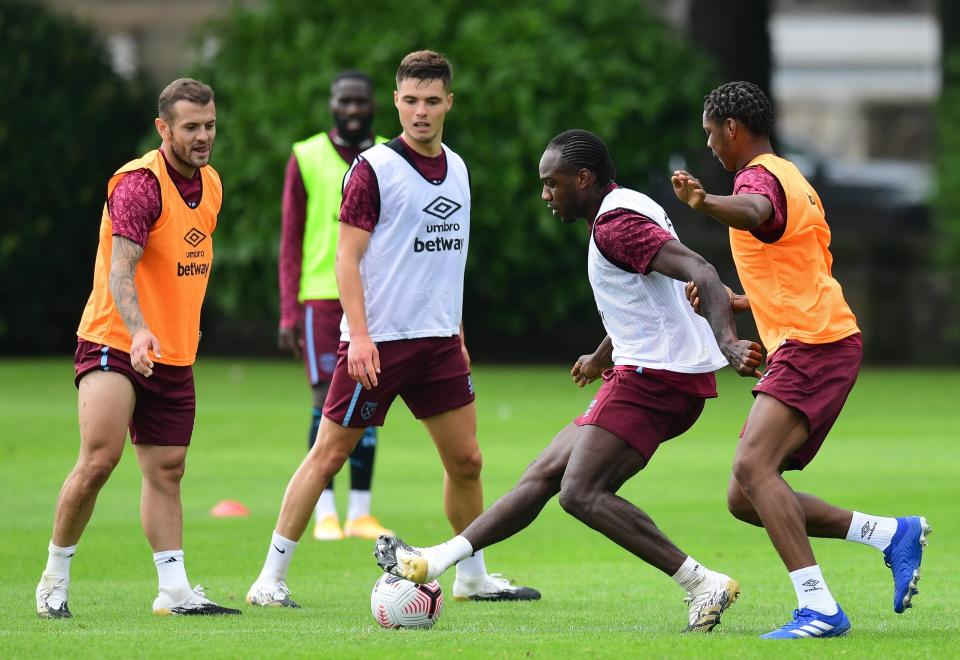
(94,471)
(576,499)
(748,472)
(467,466)
(173,473)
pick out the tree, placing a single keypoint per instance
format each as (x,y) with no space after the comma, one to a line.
(946,203)
(67,122)
(522,73)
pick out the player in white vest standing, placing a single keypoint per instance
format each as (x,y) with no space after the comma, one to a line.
(404,230)
(661,357)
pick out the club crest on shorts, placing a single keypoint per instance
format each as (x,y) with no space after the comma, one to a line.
(367,409)
(328,362)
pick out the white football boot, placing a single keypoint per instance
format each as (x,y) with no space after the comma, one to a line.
(183,602)
(711,598)
(270,594)
(404,561)
(491,587)
(52,597)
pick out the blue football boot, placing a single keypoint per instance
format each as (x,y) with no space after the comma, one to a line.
(810,623)
(903,557)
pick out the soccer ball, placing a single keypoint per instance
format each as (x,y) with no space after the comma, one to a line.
(399,603)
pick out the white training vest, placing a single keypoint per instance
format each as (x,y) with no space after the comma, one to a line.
(648,317)
(412,271)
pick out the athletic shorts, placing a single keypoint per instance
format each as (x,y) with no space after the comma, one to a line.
(166,401)
(320,339)
(641,410)
(816,380)
(429,374)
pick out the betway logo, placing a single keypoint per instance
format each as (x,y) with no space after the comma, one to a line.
(438,245)
(191,269)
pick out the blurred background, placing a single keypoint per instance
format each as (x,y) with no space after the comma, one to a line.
(866,94)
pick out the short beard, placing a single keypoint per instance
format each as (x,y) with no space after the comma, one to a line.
(357,136)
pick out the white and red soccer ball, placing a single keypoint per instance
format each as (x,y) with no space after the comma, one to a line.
(399,603)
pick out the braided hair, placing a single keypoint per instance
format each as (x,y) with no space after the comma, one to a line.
(742,101)
(582,149)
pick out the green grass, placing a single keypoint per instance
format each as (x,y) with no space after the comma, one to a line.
(892,452)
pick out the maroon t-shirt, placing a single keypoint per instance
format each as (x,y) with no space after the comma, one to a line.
(361,197)
(135,203)
(630,241)
(758,180)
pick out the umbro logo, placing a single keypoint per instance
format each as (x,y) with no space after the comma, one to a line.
(194,237)
(442,207)
(811,585)
(866,531)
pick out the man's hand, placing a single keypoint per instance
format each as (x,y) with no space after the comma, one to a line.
(144,341)
(587,369)
(738,302)
(288,339)
(688,189)
(744,356)
(363,361)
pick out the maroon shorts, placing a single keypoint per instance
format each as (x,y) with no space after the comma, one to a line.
(429,374)
(320,339)
(641,410)
(816,380)
(166,401)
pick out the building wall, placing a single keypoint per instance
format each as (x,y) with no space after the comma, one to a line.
(155,36)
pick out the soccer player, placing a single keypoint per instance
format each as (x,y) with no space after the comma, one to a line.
(404,227)
(137,341)
(780,242)
(310,310)
(664,357)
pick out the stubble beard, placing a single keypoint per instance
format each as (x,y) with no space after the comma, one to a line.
(182,154)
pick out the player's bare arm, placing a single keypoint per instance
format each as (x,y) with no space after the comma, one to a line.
(288,339)
(589,367)
(124,257)
(679,262)
(738,301)
(746,212)
(363,359)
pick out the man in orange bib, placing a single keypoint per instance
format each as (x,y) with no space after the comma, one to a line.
(137,341)
(780,243)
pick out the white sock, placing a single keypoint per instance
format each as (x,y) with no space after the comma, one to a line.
(812,590)
(327,504)
(690,574)
(359,504)
(872,530)
(58,560)
(471,566)
(171,571)
(278,560)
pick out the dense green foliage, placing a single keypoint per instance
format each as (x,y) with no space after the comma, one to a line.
(947,200)
(598,600)
(522,73)
(67,121)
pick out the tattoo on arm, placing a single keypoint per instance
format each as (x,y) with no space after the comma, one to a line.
(123,264)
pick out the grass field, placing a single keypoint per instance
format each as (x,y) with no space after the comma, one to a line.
(894,451)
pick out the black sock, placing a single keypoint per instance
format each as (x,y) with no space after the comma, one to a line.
(361,460)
